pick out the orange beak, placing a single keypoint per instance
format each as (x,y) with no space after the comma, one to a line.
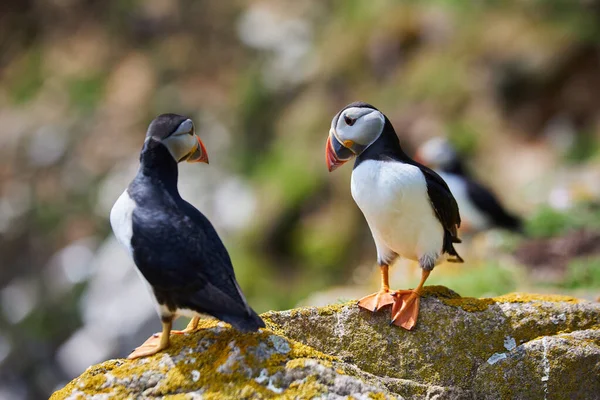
(199,154)
(330,156)
(336,153)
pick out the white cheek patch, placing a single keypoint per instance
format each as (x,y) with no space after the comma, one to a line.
(185,127)
(365,130)
(180,145)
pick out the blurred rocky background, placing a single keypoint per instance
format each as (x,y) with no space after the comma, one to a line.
(514,85)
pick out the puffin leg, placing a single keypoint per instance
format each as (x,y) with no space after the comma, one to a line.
(374,302)
(406,304)
(150,347)
(191,327)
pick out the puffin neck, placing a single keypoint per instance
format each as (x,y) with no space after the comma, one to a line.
(157,164)
(385,147)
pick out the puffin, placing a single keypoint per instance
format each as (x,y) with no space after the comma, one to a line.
(175,248)
(409,208)
(480,208)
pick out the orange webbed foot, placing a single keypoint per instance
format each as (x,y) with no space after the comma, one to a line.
(405,309)
(376,301)
(151,346)
(155,343)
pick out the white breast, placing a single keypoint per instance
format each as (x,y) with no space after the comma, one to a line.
(393,197)
(471,216)
(121,222)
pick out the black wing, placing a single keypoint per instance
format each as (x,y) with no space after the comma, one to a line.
(181,255)
(446,209)
(485,200)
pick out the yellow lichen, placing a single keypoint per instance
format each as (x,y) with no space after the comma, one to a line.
(195,371)
(333,308)
(440,292)
(223,363)
(377,396)
(309,388)
(528,298)
(472,304)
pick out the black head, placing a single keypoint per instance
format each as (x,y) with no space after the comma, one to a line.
(165,125)
(352,131)
(177,134)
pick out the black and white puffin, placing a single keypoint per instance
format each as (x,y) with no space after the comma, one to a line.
(174,246)
(409,208)
(479,207)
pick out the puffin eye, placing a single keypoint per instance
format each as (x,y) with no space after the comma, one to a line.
(349,121)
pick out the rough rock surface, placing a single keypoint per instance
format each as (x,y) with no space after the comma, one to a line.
(514,346)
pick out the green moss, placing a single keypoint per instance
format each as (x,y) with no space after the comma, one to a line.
(204,371)
(440,292)
(333,308)
(472,304)
(225,363)
(453,299)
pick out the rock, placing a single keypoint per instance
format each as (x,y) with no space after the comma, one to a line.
(514,346)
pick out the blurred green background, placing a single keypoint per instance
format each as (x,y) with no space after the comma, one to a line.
(515,85)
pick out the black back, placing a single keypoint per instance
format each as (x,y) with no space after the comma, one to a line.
(177,249)
(387,148)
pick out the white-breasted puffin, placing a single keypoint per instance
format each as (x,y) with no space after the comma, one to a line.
(174,246)
(479,207)
(409,208)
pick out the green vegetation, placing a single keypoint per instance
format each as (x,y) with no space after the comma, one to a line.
(486,280)
(25,78)
(582,273)
(549,222)
(86,92)
(583,149)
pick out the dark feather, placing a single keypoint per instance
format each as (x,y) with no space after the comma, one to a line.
(485,200)
(179,252)
(446,210)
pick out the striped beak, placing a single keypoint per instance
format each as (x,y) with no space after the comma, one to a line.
(199,154)
(336,153)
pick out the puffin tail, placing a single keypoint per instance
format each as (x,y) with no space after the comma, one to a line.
(250,322)
(247,322)
(449,249)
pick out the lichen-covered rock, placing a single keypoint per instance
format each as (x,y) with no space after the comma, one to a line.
(515,346)
(217,362)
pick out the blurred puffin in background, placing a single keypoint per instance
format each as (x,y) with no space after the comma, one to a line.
(408,207)
(479,207)
(175,248)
